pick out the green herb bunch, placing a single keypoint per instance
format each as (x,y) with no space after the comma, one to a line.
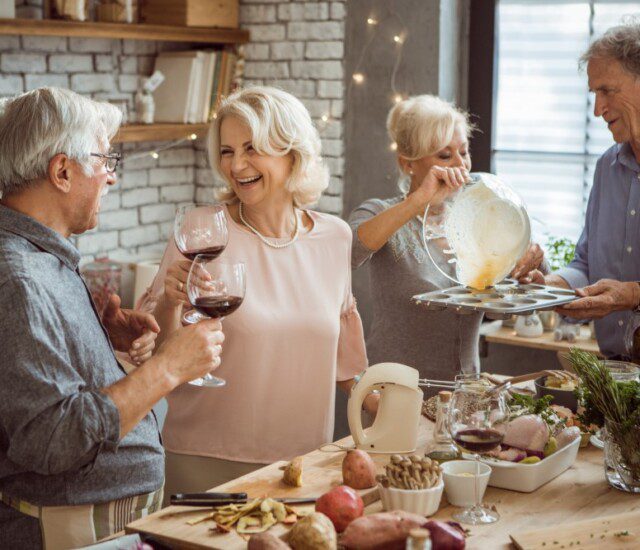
(560,252)
(526,404)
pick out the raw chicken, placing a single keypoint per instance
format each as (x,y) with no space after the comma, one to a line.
(567,436)
(511,454)
(528,432)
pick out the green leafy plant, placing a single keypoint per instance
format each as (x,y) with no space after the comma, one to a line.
(526,404)
(560,252)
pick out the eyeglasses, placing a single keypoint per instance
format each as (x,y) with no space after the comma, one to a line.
(111,160)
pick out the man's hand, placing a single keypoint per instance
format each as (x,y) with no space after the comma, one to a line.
(130,331)
(535,276)
(602,298)
(529,262)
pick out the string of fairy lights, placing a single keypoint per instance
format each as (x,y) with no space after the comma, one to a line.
(375,26)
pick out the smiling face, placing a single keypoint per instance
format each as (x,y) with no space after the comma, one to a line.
(454,155)
(617,99)
(253,177)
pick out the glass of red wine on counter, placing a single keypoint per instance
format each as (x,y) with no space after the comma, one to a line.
(215,289)
(200,229)
(477,420)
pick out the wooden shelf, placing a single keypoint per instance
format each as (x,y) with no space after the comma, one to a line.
(59,27)
(158,132)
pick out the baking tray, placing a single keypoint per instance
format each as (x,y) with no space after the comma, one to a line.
(500,302)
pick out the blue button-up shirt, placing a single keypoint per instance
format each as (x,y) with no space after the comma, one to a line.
(609,246)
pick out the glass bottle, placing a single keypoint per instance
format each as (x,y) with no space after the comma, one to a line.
(418,539)
(443,448)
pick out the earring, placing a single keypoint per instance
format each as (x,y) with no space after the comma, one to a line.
(411,172)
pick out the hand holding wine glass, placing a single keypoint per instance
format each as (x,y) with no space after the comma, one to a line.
(477,419)
(215,289)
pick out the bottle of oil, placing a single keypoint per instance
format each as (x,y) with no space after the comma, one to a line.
(442,447)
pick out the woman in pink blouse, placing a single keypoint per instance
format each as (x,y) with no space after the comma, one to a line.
(298,332)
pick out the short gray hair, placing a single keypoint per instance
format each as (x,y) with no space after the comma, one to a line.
(37,125)
(621,43)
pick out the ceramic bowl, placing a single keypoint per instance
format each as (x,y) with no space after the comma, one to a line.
(566,398)
(424,502)
(460,489)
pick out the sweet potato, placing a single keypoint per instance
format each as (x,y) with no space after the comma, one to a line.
(383,531)
(358,470)
(266,541)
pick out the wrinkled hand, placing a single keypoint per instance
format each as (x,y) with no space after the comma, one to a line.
(175,283)
(130,331)
(536,277)
(530,261)
(437,185)
(601,299)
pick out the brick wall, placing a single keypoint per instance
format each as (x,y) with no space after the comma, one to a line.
(297,46)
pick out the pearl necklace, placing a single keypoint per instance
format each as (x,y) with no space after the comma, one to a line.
(263,238)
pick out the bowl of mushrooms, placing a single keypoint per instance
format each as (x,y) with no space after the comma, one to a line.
(411,483)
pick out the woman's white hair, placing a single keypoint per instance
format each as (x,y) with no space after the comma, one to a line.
(37,125)
(280,125)
(422,125)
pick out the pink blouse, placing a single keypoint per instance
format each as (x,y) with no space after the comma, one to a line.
(296,333)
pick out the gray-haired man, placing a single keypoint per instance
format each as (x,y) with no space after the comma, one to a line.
(80,452)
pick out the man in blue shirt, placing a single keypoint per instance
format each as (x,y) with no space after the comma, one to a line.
(607,259)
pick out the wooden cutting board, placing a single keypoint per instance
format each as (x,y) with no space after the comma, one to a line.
(611,532)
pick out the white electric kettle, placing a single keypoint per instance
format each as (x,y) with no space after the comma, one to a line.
(395,429)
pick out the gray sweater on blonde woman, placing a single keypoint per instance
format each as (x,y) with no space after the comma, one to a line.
(440,344)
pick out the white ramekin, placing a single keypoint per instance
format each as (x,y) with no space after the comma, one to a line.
(424,502)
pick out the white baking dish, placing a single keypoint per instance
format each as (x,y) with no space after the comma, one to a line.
(526,478)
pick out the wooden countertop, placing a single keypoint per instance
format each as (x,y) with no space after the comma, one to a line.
(579,493)
(498,334)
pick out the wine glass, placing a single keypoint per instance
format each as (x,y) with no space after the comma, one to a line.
(477,421)
(215,289)
(200,229)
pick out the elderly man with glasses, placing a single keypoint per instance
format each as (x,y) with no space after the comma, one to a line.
(80,452)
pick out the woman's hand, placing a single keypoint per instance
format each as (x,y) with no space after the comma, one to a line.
(529,262)
(175,283)
(437,185)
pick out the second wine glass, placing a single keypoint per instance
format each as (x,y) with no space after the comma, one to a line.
(215,289)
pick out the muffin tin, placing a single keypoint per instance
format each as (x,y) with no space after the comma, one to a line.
(500,302)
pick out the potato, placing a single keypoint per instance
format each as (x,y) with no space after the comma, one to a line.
(266,541)
(383,531)
(293,472)
(358,470)
(313,532)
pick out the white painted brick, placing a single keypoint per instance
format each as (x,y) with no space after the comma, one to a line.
(177,193)
(166,231)
(170,176)
(326,30)
(9,43)
(146,64)
(70,63)
(337,108)
(266,69)
(330,205)
(33,81)
(28,12)
(153,251)
(105,63)
(253,82)
(317,107)
(205,194)
(139,47)
(202,161)
(330,88)
(177,157)
(336,186)
(266,33)
(332,147)
(256,51)
(336,166)
(128,64)
(146,234)
(137,197)
(257,14)
(146,161)
(204,176)
(325,50)
(92,45)
(120,219)
(157,213)
(299,88)
(92,82)
(261,1)
(94,243)
(110,202)
(338,10)
(23,63)
(287,50)
(11,84)
(317,69)
(128,82)
(47,44)
(314,11)
(291,12)
(131,179)
(331,129)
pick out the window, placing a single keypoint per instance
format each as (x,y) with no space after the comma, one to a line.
(546,140)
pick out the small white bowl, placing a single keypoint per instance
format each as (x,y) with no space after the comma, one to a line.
(424,502)
(460,489)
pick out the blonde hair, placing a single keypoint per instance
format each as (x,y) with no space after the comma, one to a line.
(279,125)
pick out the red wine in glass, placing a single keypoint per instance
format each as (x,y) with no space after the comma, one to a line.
(211,252)
(478,440)
(200,229)
(217,306)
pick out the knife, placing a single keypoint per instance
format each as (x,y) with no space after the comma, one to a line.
(221,499)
